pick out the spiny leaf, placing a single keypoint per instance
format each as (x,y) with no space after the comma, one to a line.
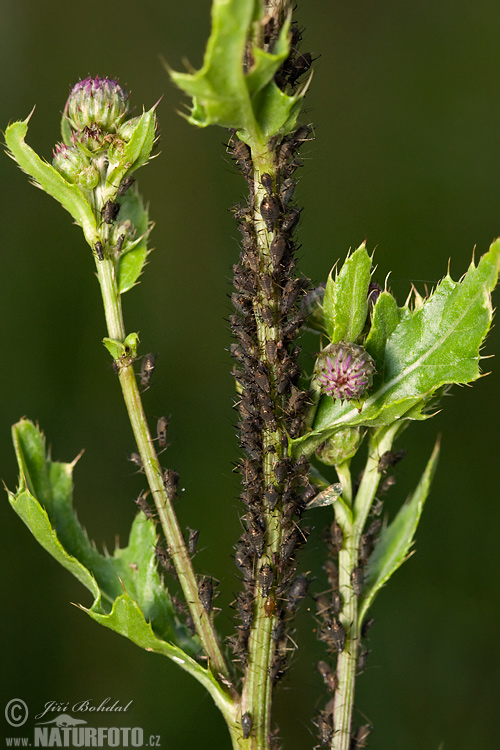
(395,541)
(435,345)
(345,304)
(224,94)
(44,502)
(45,176)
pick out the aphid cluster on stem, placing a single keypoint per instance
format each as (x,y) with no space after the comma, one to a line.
(271,405)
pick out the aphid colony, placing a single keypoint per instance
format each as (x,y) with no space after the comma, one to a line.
(331,630)
(271,405)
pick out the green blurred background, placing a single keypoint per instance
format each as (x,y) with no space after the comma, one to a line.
(406,103)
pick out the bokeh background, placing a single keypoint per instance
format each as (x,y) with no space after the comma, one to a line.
(406,105)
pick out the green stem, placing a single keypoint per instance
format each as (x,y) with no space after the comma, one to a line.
(352,528)
(164,503)
(257,691)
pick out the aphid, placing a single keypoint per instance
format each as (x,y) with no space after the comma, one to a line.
(143,504)
(290,221)
(336,537)
(267,315)
(99,250)
(272,496)
(290,293)
(256,539)
(246,725)
(387,483)
(269,606)
(119,243)
(110,211)
(266,578)
(125,184)
(162,557)
(365,548)
(136,459)
(271,350)
(147,368)
(334,633)
(336,602)
(362,659)
(300,65)
(268,417)
(286,191)
(360,737)
(324,722)
(276,670)
(170,481)
(289,543)
(365,627)
(245,610)
(281,469)
(267,182)
(206,593)
(389,459)
(328,675)
(323,607)
(192,540)
(277,250)
(266,283)
(297,592)
(242,302)
(277,630)
(262,380)
(244,561)
(358,581)
(161,431)
(270,211)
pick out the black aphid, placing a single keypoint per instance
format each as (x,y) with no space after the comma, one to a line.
(328,675)
(270,210)
(99,250)
(389,459)
(110,211)
(143,504)
(125,184)
(246,725)
(267,182)
(297,592)
(170,481)
(245,610)
(206,593)
(192,540)
(266,578)
(358,580)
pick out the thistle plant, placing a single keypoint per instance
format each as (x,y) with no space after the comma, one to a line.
(378,367)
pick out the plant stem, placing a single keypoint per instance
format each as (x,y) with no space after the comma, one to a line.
(352,528)
(164,503)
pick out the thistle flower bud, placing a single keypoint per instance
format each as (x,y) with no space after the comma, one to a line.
(96,102)
(75,166)
(344,371)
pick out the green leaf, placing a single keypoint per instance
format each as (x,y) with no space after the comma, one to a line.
(135,153)
(134,223)
(345,304)
(224,94)
(45,176)
(432,346)
(123,350)
(44,502)
(395,541)
(386,317)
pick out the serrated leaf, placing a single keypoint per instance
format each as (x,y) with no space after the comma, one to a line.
(224,94)
(433,346)
(44,502)
(51,181)
(132,260)
(135,153)
(386,317)
(345,303)
(395,541)
(127,619)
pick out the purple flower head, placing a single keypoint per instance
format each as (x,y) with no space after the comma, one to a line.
(96,103)
(344,371)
